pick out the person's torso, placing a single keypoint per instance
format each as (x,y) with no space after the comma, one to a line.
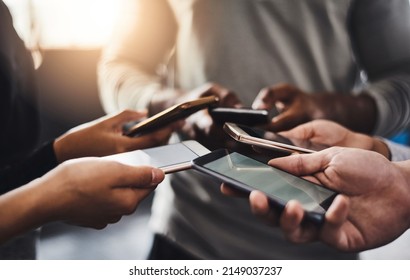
(246,45)
(19,115)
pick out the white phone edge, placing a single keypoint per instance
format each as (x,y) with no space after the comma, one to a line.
(196,148)
(241,136)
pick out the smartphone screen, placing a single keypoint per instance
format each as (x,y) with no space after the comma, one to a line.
(170,158)
(175,157)
(248,174)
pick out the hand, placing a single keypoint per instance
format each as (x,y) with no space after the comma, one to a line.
(86,192)
(200,126)
(95,192)
(297,107)
(330,134)
(372,210)
(104,137)
(227,98)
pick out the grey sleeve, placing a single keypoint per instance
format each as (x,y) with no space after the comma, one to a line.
(398,152)
(129,70)
(380,33)
(392,96)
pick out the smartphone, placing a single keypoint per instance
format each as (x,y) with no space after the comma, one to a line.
(174,113)
(269,140)
(247,174)
(170,158)
(245,116)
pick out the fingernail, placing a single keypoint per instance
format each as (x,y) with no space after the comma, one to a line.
(157,176)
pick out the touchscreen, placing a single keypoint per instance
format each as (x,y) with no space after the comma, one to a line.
(273,182)
(170,155)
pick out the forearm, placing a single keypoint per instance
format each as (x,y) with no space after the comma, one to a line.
(355,112)
(36,164)
(124,86)
(25,208)
(402,183)
(366,142)
(128,72)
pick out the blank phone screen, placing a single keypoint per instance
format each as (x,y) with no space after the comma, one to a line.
(273,182)
(170,155)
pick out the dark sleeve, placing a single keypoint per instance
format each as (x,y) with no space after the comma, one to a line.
(37,163)
(380,35)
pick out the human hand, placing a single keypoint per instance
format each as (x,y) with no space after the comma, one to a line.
(372,211)
(330,134)
(104,137)
(95,192)
(297,107)
(226,97)
(201,126)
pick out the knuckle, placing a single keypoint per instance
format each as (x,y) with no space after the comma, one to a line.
(299,164)
(100,226)
(129,206)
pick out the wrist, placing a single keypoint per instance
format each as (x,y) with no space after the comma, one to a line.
(42,200)
(358,113)
(62,148)
(58,147)
(39,204)
(52,196)
(401,181)
(381,147)
(28,208)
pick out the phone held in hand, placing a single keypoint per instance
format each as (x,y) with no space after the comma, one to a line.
(246,116)
(270,140)
(166,117)
(170,158)
(246,174)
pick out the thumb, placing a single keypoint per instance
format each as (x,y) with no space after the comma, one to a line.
(302,165)
(140,176)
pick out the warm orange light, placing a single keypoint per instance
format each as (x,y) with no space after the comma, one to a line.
(67,23)
(76,23)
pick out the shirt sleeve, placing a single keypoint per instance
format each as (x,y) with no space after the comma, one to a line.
(398,152)
(380,37)
(129,71)
(35,165)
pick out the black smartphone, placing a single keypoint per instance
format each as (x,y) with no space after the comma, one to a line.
(245,116)
(269,140)
(172,114)
(247,174)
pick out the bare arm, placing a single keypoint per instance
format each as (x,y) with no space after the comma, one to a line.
(86,192)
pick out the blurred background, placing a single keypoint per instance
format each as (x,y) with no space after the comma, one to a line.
(66,38)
